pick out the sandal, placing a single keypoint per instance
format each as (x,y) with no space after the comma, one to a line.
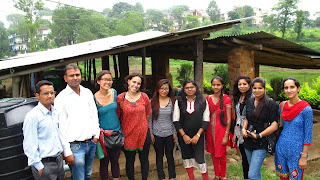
(224,178)
(216,178)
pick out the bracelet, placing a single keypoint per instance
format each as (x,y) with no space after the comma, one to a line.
(227,132)
(198,134)
(302,153)
(184,134)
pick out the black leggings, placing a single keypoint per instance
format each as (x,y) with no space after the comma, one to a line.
(144,160)
(245,164)
(113,157)
(164,145)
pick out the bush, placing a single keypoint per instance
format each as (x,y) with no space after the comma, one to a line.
(310,95)
(222,71)
(184,72)
(269,89)
(316,85)
(276,84)
(207,86)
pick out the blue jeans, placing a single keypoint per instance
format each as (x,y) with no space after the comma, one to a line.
(83,160)
(255,159)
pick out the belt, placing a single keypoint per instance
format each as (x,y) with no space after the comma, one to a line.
(79,142)
(51,159)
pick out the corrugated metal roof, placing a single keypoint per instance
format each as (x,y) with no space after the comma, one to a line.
(272,41)
(38,61)
(78,49)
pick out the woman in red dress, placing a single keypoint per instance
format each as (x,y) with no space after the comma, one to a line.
(134,110)
(217,134)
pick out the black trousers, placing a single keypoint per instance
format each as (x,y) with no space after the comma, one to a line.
(144,160)
(245,164)
(52,170)
(164,145)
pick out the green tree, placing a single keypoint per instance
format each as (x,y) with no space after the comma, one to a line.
(213,11)
(156,20)
(248,12)
(14,20)
(299,23)
(63,29)
(46,12)
(32,9)
(286,10)
(106,11)
(234,15)
(206,21)
(4,41)
(271,21)
(91,26)
(44,23)
(178,14)
(138,7)
(308,21)
(191,22)
(120,8)
(133,22)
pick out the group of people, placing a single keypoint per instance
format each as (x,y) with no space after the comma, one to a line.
(78,118)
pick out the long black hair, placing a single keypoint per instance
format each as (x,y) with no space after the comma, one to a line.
(155,98)
(237,94)
(201,102)
(222,118)
(263,102)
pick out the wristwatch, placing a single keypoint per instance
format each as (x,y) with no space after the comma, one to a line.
(258,136)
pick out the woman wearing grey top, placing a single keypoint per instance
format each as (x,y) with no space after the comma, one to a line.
(163,133)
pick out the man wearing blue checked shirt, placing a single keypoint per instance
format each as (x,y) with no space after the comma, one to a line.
(42,144)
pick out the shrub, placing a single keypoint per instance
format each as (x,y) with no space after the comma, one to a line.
(269,89)
(207,86)
(310,95)
(276,84)
(222,71)
(316,84)
(184,72)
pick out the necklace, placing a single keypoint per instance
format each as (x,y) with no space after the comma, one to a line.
(132,99)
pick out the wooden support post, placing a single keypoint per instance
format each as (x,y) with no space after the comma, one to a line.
(16,86)
(256,70)
(89,71)
(105,63)
(144,66)
(85,70)
(123,65)
(198,62)
(94,69)
(160,68)
(115,66)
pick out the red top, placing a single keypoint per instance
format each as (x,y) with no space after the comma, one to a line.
(134,122)
(216,131)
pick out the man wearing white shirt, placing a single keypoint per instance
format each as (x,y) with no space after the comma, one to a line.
(79,124)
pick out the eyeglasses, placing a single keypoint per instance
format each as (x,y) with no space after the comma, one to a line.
(106,79)
(164,89)
(52,93)
(191,87)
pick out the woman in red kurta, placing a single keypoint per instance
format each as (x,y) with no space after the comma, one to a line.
(217,134)
(134,110)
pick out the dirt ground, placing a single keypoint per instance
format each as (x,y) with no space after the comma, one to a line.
(233,157)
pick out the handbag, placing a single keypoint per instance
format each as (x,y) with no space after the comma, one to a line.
(273,138)
(114,141)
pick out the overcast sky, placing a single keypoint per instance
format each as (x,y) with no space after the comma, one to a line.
(7,7)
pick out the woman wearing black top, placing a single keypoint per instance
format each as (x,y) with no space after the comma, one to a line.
(242,91)
(191,119)
(260,111)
